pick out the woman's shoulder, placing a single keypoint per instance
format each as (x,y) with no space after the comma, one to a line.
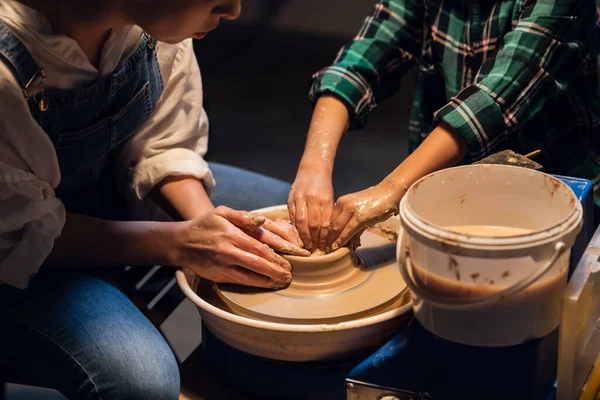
(170,56)
(172,51)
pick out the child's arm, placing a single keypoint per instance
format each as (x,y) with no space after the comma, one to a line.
(365,72)
(311,197)
(536,63)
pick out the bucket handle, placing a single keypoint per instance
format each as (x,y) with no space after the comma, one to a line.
(425,294)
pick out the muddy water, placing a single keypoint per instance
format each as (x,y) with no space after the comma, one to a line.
(542,291)
(488,230)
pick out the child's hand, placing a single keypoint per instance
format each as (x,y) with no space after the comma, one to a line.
(358,211)
(216,249)
(310,203)
(355,212)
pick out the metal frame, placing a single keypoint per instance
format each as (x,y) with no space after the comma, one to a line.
(357,390)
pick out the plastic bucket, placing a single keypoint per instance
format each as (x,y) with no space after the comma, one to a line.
(472,282)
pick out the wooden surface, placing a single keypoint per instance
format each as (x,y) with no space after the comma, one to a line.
(509,157)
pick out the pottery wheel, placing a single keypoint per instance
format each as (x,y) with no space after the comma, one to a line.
(333,287)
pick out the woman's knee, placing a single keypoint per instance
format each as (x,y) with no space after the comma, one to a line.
(125,356)
(146,369)
(86,339)
(242,189)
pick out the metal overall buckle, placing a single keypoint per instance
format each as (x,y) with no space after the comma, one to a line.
(151,42)
(33,89)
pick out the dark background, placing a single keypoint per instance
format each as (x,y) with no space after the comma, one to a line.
(256,81)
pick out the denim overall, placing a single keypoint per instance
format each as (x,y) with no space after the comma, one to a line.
(87,126)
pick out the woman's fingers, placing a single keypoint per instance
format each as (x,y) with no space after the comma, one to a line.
(277,243)
(241,276)
(285,230)
(261,241)
(252,245)
(241,219)
(255,263)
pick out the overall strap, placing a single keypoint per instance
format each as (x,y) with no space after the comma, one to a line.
(18,58)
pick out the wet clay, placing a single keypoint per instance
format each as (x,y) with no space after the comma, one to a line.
(342,285)
(326,273)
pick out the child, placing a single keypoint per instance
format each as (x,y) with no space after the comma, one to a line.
(87,96)
(493,75)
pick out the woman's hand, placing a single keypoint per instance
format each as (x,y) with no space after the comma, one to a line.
(358,211)
(285,230)
(228,246)
(280,236)
(310,204)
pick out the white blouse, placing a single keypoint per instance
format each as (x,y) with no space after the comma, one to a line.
(172,142)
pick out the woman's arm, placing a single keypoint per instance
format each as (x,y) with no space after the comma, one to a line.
(87,241)
(165,157)
(182,197)
(214,246)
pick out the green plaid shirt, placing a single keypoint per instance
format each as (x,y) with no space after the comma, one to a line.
(504,74)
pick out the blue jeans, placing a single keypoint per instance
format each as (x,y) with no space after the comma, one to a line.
(244,190)
(80,335)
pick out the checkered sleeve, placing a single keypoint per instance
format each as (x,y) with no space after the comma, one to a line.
(371,66)
(536,62)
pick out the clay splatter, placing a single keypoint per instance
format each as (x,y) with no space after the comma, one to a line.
(453,267)
(553,184)
(258,219)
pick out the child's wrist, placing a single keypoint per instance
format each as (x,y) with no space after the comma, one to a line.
(316,166)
